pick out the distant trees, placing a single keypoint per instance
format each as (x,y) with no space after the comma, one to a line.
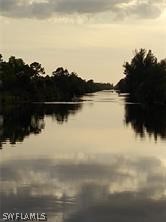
(145,78)
(22,82)
(70,85)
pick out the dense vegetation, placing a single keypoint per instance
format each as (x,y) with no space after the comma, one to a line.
(145,78)
(22,82)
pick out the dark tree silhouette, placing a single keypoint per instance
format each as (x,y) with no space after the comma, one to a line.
(36,69)
(145,78)
(20,82)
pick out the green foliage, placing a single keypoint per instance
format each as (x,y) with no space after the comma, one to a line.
(23,82)
(145,78)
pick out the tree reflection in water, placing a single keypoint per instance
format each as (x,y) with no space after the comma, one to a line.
(147,120)
(18,122)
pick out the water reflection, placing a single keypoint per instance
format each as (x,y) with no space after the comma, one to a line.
(18,122)
(147,120)
(89,169)
(105,187)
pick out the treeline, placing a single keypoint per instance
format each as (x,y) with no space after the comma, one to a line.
(23,82)
(145,78)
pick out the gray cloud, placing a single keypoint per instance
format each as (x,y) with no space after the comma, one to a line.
(50,8)
(85,188)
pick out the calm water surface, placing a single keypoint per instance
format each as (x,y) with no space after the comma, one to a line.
(100,160)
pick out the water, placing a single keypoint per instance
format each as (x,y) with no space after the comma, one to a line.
(99,160)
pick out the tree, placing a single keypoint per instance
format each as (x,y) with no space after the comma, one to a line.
(1,69)
(137,70)
(145,78)
(1,58)
(36,69)
(60,71)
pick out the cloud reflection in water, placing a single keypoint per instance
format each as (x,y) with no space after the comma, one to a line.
(99,188)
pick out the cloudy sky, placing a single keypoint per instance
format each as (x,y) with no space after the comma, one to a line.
(91,37)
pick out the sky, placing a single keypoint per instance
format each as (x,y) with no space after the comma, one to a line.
(93,38)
